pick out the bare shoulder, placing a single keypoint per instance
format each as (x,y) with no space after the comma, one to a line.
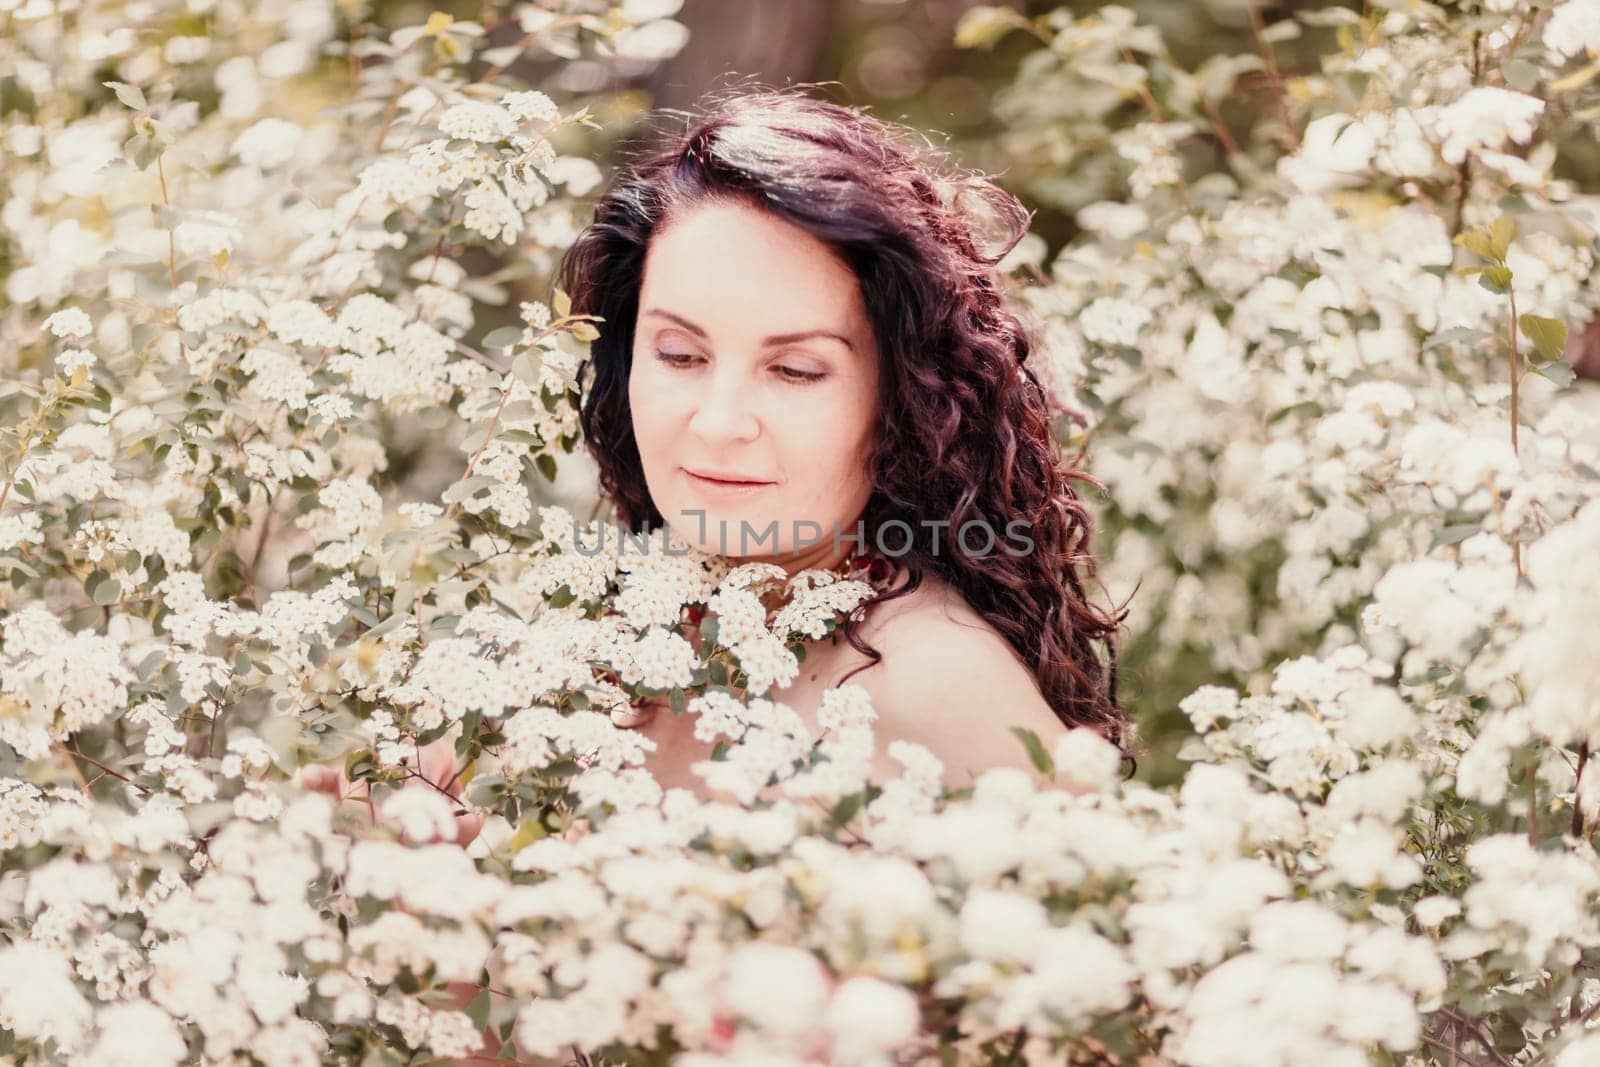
(951,682)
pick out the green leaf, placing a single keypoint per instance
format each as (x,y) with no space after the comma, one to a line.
(148,665)
(1521,75)
(94,581)
(547,465)
(561,304)
(1559,372)
(1036,751)
(360,766)
(486,790)
(385,626)
(1496,279)
(206,817)
(1455,534)
(504,337)
(1549,336)
(1501,232)
(525,368)
(846,809)
(478,1010)
(1478,242)
(1462,334)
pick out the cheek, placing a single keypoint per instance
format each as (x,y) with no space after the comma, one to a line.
(651,405)
(829,442)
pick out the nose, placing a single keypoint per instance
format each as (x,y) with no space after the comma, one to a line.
(725,413)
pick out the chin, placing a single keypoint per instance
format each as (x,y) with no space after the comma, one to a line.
(716,531)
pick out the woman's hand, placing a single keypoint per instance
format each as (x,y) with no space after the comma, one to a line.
(431,767)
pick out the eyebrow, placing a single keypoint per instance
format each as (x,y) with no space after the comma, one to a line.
(775,339)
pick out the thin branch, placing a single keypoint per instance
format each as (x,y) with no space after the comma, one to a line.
(1475,1032)
(1273,73)
(1516,375)
(1577,782)
(72,752)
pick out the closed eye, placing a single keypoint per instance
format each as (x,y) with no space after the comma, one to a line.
(789,374)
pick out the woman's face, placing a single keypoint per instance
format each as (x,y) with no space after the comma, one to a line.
(754,387)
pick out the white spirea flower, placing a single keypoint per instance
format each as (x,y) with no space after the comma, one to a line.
(579,175)
(1113,321)
(661,660)
(1485,117)
(135,1034)
(868,1015)
(1556,660)
(530,104)
(1002,926)
(776,987)
(1298,930)
(477,120)
(38,998)
(1206,705)
(69,322)
(1431,911)
(657,40)
(491,213)
(1573,28)
(1085,758)
(269,143)
(646,10)
(420,813)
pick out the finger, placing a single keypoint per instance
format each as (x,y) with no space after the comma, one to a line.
(319,778)
(468,827)
(439,766)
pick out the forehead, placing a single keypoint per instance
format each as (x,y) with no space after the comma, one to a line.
(726,265)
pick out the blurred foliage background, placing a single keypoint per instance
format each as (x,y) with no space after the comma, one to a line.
(904,59)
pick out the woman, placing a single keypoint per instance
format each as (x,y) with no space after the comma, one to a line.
(800,333)
(803,342)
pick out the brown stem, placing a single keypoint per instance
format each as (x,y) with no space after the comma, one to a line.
(1229,144)
(1577,782)
(1271,61)
(71,753)
(1475,1031)
(1463,188)
(353,64)
(1454,1054)
(1533,807)
(1516,375)
(1516,366)
(172,247)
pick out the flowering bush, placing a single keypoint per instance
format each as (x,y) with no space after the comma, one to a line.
(232,315)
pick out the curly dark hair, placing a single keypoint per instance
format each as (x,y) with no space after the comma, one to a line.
(965,428)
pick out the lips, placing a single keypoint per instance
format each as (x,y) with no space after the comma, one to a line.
(725,478)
